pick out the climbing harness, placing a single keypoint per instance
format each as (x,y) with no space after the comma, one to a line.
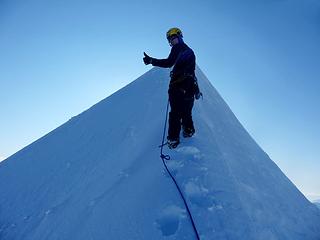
(167,157)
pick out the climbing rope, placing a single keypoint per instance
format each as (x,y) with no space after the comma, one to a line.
(167,157)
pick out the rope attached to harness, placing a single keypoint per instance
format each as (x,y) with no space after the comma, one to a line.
(167,157)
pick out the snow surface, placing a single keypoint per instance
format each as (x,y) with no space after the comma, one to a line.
(317,203)
(99,176)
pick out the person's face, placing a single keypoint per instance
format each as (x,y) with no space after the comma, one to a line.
(173,40)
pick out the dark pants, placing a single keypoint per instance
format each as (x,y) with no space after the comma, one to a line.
(181,103)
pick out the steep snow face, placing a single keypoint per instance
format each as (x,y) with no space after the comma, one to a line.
(317,203)
(99,176)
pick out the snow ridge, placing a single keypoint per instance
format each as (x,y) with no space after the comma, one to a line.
(99,176)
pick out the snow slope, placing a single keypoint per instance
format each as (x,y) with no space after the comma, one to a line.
(99,176)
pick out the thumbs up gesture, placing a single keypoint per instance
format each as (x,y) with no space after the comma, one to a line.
(147,60)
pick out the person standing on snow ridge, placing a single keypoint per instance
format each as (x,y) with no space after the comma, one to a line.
(182,88)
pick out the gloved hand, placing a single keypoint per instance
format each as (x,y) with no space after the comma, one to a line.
(147,60)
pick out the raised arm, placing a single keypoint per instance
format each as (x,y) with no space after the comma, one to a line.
(168,62)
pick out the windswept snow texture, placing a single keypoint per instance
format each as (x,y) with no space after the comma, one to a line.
(99,176)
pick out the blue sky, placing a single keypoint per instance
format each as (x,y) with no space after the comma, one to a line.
(58,58)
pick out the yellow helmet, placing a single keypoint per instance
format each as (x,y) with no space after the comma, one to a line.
(174,31)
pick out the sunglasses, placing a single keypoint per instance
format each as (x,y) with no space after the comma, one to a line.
(171,38)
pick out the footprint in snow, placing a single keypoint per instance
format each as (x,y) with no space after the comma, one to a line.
(197,194)
(169,220)
(190,150)
(175,166)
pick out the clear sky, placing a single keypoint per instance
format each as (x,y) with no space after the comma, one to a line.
(58,58)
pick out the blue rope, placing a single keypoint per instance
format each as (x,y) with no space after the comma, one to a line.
(167,157)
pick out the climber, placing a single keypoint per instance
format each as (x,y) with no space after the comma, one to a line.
(182,88)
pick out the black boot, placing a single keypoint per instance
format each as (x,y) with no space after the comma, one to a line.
(173,143)
(188,132)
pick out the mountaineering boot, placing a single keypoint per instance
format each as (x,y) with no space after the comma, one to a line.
(173,143)
(188,132)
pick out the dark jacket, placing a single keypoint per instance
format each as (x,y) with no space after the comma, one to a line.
(181,57)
